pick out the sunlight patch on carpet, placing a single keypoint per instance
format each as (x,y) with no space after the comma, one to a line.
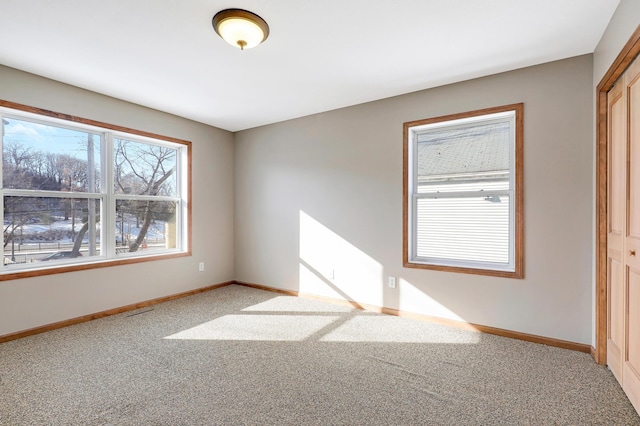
(289,328)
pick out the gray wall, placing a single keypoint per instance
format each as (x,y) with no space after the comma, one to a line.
(623,23)
(318,205)
(32,302)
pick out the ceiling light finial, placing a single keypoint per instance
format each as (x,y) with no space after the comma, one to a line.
(240,28)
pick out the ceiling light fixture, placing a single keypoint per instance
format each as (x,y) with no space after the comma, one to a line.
(240,28)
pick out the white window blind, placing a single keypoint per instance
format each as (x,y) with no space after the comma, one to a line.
(466,229)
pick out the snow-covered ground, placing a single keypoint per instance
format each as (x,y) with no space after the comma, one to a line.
(33,241)
(64,231)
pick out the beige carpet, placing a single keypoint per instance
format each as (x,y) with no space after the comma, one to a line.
(240,356)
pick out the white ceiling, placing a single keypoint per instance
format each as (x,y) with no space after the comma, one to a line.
(320,55)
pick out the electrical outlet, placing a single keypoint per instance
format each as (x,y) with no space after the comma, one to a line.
(392,282)
(201,266)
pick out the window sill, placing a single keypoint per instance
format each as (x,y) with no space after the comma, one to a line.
(517,274)
(6,276)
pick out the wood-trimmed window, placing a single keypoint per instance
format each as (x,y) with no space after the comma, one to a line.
(80,194)
(462,192)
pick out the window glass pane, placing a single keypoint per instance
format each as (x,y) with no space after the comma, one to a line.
(45,157)
(469,158)
(43,229)
(145,225)
(465,229)
(144,169)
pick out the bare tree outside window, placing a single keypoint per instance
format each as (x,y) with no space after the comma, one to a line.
(144,170)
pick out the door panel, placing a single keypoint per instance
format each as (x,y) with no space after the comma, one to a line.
(616,329)
(633,187)
(615,226)
(617,133)
(631,245)
(633,322)
(631,368)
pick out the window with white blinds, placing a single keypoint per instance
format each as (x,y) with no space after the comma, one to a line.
(462,192)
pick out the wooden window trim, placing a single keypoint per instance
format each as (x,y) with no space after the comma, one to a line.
(519,194)
(110,262)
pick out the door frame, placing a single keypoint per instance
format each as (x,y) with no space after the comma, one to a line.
(617,68)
